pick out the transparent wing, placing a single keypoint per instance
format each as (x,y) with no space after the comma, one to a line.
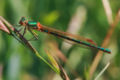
(69,35)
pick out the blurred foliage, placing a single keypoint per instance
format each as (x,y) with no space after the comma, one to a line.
(20,64)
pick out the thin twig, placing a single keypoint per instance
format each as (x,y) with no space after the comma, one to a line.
(107,65)
(52,45)
(108,11)
(104,44)
(15,33)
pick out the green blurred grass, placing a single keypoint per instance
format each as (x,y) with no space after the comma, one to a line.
(18,60)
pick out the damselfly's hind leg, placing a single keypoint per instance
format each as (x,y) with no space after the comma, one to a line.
(35,36)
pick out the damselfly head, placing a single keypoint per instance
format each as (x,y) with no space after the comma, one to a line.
(22,21)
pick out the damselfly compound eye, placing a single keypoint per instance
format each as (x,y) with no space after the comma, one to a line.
(22,21)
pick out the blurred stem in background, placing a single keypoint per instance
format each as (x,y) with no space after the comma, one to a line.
(92,21)
(17,8)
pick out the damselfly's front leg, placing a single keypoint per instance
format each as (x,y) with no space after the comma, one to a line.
(24,30)
(19,27)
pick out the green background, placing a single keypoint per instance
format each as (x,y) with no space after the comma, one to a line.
(18,63)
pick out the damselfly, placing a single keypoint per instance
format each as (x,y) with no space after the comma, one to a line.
(29,25)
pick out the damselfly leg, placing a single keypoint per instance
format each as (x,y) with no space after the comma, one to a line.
(35,36)
(23,31)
